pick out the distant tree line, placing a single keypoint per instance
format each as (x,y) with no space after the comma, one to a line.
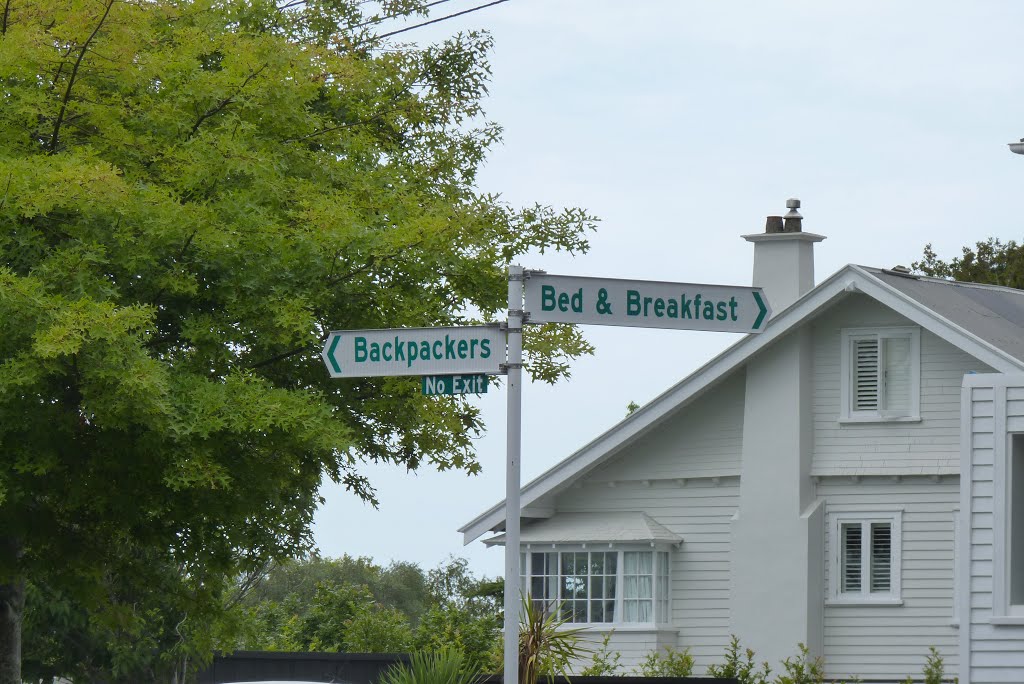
(313,603)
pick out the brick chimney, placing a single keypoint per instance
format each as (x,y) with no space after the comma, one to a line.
(784,258)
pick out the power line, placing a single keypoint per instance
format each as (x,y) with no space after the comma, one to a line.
(378,20)
(439,19)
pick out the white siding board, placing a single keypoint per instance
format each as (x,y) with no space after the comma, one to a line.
(887,641)
(929,446)
(704,440)
(699,513)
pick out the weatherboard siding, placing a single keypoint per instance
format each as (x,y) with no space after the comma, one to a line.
(996,651)
(699,512)
(705,439)
(931,445)
(885,641)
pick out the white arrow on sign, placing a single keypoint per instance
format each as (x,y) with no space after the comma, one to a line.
(645,304)
(415,351)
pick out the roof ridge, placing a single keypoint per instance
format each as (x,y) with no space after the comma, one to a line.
(944,281)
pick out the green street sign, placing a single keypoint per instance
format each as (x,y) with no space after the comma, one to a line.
(415,351)
(645,304)
(454,384)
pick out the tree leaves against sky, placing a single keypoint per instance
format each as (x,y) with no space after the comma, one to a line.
(192,194)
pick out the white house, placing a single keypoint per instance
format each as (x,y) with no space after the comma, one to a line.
(803,486)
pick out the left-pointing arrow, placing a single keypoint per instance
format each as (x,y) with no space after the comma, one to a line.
(330,354)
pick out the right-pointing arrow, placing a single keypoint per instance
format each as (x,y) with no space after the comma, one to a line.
(762,307)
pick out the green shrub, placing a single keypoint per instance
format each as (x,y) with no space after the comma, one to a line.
(934,669)
(604,662)
(742,668)
(802,669)
(667,663)
(445,666)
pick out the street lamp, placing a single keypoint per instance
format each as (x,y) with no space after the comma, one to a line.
(1017,147)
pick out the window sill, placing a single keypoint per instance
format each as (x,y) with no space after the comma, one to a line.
(864,602)
(1007,620)
(619,627)
(855,420)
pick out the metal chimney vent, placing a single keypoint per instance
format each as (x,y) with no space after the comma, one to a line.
(792,221)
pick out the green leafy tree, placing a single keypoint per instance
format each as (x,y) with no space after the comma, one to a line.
(400,585)
(453,584)
(192,193)
(374,629)
(992,262)
(476,636)
(354,604)
(324,624)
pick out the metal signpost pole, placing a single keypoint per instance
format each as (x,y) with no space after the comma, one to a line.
(514,448)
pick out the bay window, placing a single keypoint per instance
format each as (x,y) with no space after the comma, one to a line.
(599,586)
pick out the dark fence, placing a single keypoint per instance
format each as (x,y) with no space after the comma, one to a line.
(364,668)
(335,668)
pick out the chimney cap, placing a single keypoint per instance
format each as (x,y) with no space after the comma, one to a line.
(792,203)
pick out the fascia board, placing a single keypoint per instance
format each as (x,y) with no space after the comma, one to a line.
(851,278)
(657,409)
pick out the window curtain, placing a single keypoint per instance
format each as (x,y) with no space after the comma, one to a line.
(638,592)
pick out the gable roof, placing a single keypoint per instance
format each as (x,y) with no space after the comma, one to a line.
(985,321)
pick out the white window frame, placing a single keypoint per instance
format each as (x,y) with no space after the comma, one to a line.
(836,520)
(620,549)
(846,384)
(1004,611)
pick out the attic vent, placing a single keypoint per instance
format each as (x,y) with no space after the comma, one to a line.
(902,272)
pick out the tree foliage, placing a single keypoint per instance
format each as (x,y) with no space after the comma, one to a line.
(992,262)
(400,585)
(355,605)
(192,194)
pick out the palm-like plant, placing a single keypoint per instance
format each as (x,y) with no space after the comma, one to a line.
(444,666)
(546,647)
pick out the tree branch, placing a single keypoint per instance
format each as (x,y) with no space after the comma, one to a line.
(74,73)
(375,117)
(281,357)
(3,200)
(220,106)
(7,16)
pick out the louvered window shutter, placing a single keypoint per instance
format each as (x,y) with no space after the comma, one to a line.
(865,374)
(881,557)
(851,558)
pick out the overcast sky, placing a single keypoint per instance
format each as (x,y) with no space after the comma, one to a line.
(682,125)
